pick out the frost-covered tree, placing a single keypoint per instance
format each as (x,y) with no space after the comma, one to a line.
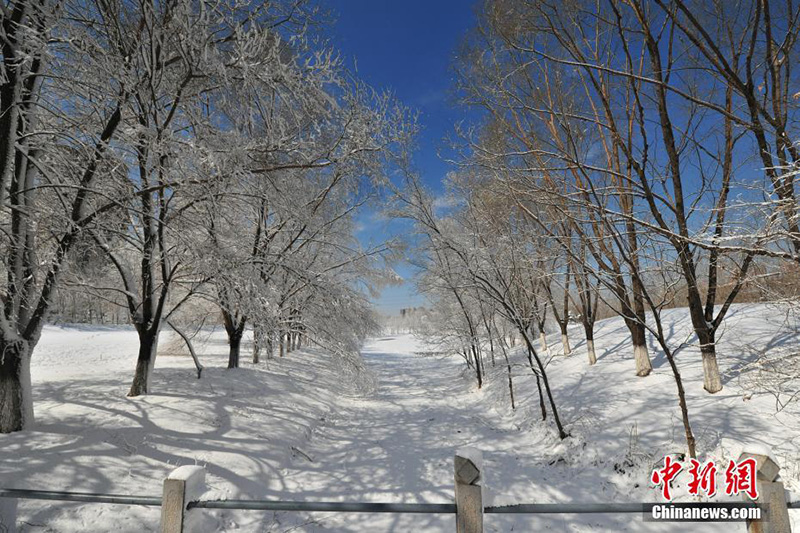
(61,111)
(309,159)
(186,55)
(120,127)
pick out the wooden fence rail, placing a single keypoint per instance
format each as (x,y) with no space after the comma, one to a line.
(185,485)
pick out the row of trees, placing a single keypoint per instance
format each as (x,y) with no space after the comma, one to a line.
(163,155)
(633,153)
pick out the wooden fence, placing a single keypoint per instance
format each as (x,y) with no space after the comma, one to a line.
(185,485)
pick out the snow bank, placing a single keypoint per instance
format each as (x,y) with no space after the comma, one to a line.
(622,425)
(88,436)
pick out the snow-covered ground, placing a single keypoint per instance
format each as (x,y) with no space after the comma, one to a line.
(306,428)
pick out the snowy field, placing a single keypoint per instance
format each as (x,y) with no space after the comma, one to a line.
(306,428)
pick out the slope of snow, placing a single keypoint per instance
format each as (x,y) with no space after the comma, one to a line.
(248,426)
(622,425)
(303,430)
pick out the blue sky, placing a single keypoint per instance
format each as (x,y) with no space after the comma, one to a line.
(406,46)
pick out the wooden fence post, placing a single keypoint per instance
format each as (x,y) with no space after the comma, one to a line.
(469,498)
(771,494)
(184,484)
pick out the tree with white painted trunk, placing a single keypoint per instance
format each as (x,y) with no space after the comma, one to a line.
(561,312)
(587,299)
(603,118)
(519,143)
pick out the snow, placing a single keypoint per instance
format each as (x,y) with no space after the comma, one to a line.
(193,477)
(757,449)
(186,473)
(474,455)
(298,428)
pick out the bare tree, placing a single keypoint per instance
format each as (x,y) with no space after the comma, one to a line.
(577,94)
(483,259)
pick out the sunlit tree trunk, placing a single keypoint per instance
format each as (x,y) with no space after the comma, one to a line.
(145,361)
(16,393)
(589,330)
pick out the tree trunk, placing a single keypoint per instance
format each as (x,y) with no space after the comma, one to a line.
(590,351)
(478,372)
(16,391)
(148,347)
(708,350)
(502,345)
(543,341)
(643,365)
(711,379)
(189,345)
(590,343)
(541,398)
(541,373)
(511,387)
(510,382)
(269,345)
(257,339)
(687,427)
(281,347)
(565,342)
(234,344)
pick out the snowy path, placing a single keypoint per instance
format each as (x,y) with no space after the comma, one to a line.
(402,437)
(398,445)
